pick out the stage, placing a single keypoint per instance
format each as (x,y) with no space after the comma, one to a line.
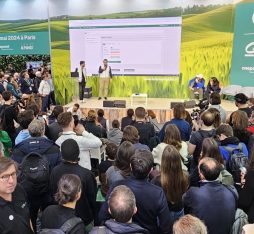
(160,106)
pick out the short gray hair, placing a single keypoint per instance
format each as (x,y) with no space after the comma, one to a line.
(189,224)
(36,128)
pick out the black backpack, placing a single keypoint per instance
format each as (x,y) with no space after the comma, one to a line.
(33,174)
(236,161)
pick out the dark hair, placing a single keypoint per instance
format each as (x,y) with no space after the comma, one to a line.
(173,180)
(217,118)
(251,159)
(225,129)
(100,113)
(34,107)
(188,118)
(9,78)
(57,111)
(141,164)
(151,114)
(210,168)
(122,203)
(68,188)
(111,150)
(173,136)
(130,112)
(64,119)
(208,118)
(77,105)
(6,95)
(122,161)
(130,133)
(25,118)
(215,98)
(241,98)
(115,123)
(211,149)
(81,62)
(140,112)
(215,80)
(179,111)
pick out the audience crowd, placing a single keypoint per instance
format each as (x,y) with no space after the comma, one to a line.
(72,172)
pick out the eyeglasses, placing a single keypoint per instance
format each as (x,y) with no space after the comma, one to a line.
(6,178)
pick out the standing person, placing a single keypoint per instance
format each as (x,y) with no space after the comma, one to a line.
(14,210)
(52,99)
(82,80)
(44,91)
(26,84)
(37,80)
(105,74)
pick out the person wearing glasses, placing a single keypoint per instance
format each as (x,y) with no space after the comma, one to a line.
(14,211)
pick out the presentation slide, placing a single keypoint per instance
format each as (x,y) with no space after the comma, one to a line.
(135,46)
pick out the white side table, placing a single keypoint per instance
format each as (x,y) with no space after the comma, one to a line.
(138,97)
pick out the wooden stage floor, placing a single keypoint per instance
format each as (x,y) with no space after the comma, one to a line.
(161,107)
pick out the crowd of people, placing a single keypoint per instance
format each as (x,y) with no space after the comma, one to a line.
(75,173)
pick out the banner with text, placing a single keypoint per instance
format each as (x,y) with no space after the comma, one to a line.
(21,43)
(242,71)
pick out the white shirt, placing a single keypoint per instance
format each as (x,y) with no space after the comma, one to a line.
(86,143)
(80,74)
(44,88)
(105,73)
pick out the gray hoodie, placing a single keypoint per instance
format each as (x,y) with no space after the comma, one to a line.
(115,135)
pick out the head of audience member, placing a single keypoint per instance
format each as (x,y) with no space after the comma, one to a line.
(241,100)
(210,149)
(66,121)
(26,76)
(56,111)
(189,224)
(224,131)
(209,169)
(130,133)
(34,107)
(188,118)
(173,136)
(151,114)
(140,113)
(173,180)
(10,79)
(123,156)
(100,113)
(179,111)
(111,150)
(215,99)
(75,107)
(8,178)
(16,76)
(214,81)
(38,74)
(6,76)
(25,118)
(91,116)
(68,190)
(239,120)
(7,96)
(70,151)
(82,64)
(1,150)
(115,124)
(207,119)
(122,204)
(130,113)
(36,128)
(141,164)
(217,118)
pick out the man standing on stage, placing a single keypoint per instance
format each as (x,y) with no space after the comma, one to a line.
(105,76)
(82,80)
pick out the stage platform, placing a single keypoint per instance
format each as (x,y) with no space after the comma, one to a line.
(160,106)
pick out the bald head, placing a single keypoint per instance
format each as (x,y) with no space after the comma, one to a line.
(122,204)
(209,169)
(208,118)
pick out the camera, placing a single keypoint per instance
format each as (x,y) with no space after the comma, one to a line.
(202,106)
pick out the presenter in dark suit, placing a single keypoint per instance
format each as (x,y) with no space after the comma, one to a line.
(105,76)
(82,80)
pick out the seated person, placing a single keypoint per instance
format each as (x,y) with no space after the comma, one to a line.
(103,122)
(122,206)
(115,135)
(212,87)
(241,101)
(68,193)
(197,86)
(128,120)
(215,102)
(75,110)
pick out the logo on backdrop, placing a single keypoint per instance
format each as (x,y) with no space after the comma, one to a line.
(249,49)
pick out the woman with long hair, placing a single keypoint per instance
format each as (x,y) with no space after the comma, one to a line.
(68,193)
(213,86)
(121,168)
(173,180)
(172,137)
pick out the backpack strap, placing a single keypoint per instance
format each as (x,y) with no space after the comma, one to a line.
(70,224)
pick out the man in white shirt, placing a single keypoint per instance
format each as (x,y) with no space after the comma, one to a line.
(105,76)
(86,141)
(82,80)
(44,91)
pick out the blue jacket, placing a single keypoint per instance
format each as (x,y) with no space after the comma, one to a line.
(198,85)
(153,213)
(183,126)
(40,145)
(10,87)
(23,135)
(213,203)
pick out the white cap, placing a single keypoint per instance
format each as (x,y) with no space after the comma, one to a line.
(200,76)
